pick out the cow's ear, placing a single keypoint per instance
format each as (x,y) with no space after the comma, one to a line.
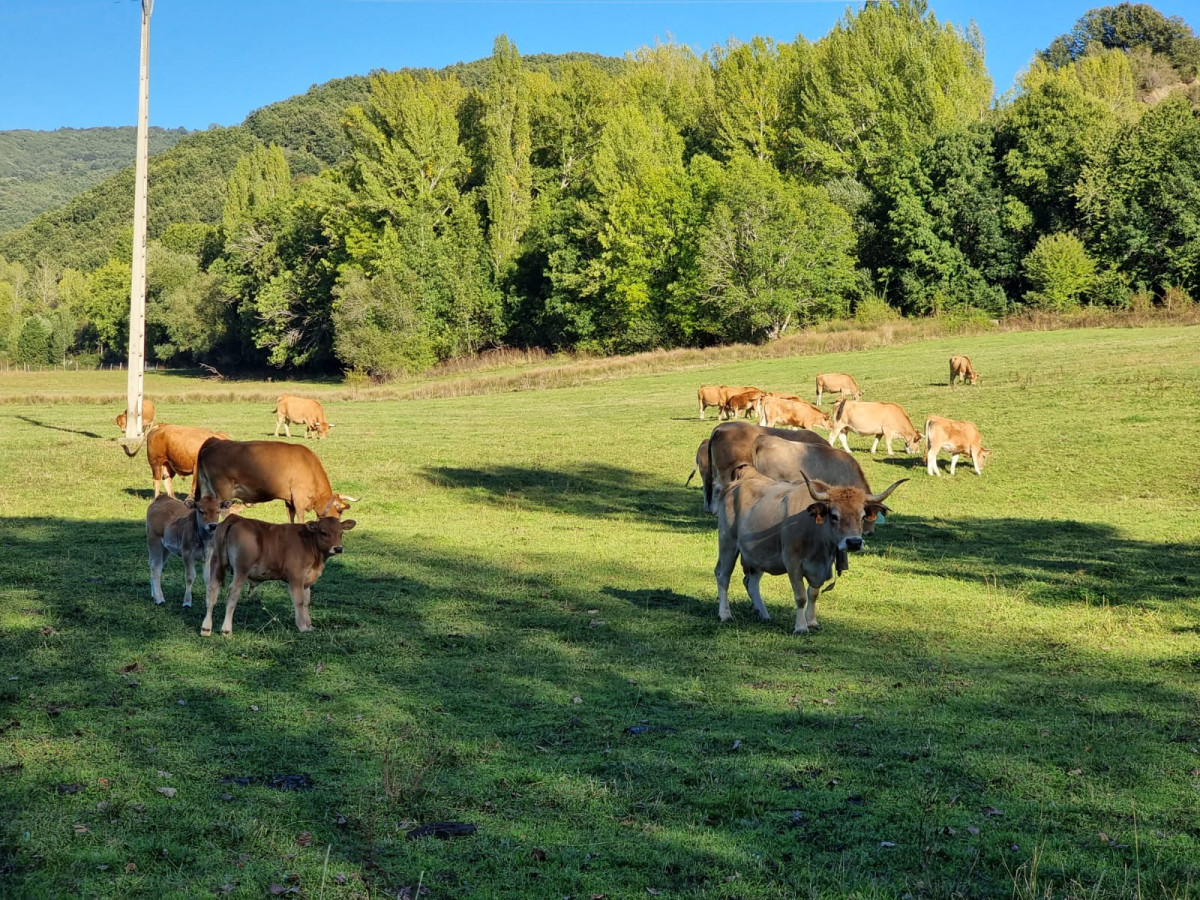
(225,504)
(348,525)
(819,511)
(189,503)
(312,526)
(877,509)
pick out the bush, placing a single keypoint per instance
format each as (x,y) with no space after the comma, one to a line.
(1059,271)
(1177,299)
(874,310)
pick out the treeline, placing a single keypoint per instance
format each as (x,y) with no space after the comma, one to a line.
(40,170)
(670,199)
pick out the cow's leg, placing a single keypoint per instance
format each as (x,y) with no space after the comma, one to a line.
(291,508)
(887,440)
(975,461)
(875,446)
(953,462)
(167,483)
(300,603)
(796,577)
(213,589)
(158,556)
(231,600)
(752,581)
(189,577)
(726,560)
(278,422)
(810,611)
(931,466)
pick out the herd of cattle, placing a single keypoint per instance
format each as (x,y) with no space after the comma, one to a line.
(225,472)
(789,501)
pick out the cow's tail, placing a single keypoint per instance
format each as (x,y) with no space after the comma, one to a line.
(201,483)
(709,501)
(838,408)
(695,469)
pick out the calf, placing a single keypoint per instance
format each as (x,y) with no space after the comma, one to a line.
(776,411)
(956,438)
(839,382)
(184,529)
(291,410)
(962,370)
(257,551)
(147,415)
(718,395)
(878,420)
(780,528)
(746,401)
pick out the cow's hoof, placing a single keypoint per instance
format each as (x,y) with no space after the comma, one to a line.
(764,617)
(187,604)
(725,618)
(206,632)
(800,631)
(226,632)
(814,626)
(309,628)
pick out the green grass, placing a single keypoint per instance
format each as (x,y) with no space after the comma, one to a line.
(530,578)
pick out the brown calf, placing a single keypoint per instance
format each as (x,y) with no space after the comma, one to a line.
(837,382)
(291,410)
(147,415)
(957,438)
(962,370)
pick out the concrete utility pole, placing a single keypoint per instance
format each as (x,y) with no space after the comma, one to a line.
(137,291)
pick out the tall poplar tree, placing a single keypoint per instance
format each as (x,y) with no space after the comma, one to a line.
(508,181)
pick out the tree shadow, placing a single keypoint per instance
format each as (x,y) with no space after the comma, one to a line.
(36,423)
(591,490)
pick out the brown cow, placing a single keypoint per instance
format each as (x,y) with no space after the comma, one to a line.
(956,438)
(291,410)
(147,415)
(962,370)
(717,395)
(258,551)
(731,445)
(831,382)
(260,471)
(746,401)
(180,529)
(880,420)
(171,450)
(781,528)
(776,411)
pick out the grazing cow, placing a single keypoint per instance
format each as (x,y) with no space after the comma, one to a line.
(258,551)
(717,395)
(781,528)
(147,415)
(732,444)
(171,450)
(184,529)
(879,420)
(956,438)
(776,411)
(290,410)
(701,464)
(260,471)
(962,370)
(837,382)
(747,402)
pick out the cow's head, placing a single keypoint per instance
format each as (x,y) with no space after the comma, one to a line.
(912,442)
(337,505)
(973,377)
(847,511)
(825,421)
(985,453)
(208,512)
(328,534)
(121,419)
(323,430)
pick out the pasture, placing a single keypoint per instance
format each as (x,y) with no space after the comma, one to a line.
(522,635)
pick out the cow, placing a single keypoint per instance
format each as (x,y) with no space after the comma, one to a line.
(837,382)
(183,529)
(732,444)
(147,415)
(717,395)
(746,401)
(258,551)
(879,420)
(956,438)
(776,411)
(261,471)
(291,410)
(171,450)
(701,464)
(781,528)
(962,370)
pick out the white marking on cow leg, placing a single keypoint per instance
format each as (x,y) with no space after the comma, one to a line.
(231,600)
(278,422)
(169,485)
(796,578)
(752,583)
(875,446)
(189,578)
(156,569)
(931,466)
(725,564)
(953,462)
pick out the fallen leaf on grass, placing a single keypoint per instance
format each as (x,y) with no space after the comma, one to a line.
(339,878)
(277,889)
(70,788)
(443,830)
(992,811)
(81,829)
(320,667)
(132,667)
(48,631)
(1075,772)
(538,853)
(887,843)
(227,888)
(130,867)
(166,791)
(163,773)
(411,892)
(971,829)
(304,839)
(102,868)
(103,782)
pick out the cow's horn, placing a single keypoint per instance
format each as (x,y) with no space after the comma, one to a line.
(346,498)
(328,505)
(879,498)
(816,495)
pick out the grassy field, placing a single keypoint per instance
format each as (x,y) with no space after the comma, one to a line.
(522,635)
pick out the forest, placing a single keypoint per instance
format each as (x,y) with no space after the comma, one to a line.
(382,224)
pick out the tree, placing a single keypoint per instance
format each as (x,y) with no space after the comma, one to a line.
(107,304)
(749,84)
(33,342)
(260,179)
(1126,27)
(1059,271)
(508,180)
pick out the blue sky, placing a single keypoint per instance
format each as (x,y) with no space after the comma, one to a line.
(73,63)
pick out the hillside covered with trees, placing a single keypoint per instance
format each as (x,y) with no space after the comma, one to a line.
(382,224)
(40,170)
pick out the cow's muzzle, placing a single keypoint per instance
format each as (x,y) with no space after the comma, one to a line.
(854,544)
(336,550)
(211,526)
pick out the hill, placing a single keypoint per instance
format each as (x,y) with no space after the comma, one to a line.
(40,170)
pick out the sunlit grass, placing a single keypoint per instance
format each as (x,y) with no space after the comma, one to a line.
(1007,673)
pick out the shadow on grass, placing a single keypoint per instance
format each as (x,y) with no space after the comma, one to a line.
(589,490)
(36,423)
(439,687)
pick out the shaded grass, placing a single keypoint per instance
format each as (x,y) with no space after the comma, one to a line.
(1007,674)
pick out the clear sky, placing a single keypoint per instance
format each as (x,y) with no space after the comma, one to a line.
(73,63)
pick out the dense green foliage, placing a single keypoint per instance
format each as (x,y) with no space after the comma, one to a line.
(670,199)
(40,170)
(522,635)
